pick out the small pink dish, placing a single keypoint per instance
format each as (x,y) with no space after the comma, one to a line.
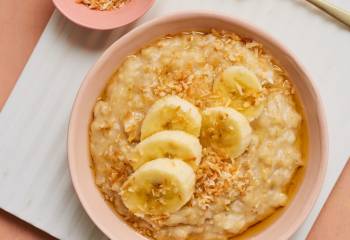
(78,144)
(103,20)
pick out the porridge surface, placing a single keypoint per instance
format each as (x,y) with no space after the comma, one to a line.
(230,195)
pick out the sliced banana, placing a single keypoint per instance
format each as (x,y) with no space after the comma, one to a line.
(161,186)
(253,112)
(240,79)
(171,113)
(225,129)
(250,111)
(169,144)
(236,83)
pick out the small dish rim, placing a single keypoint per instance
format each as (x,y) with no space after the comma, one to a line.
(100,24)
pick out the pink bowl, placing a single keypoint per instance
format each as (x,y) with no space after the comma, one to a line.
(96,79)
(103,20)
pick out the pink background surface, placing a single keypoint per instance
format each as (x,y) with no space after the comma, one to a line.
(21,23)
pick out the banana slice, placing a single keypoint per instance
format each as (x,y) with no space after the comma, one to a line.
(225,129)
(250,111)
(161,186)
(253,112)
(240,79)
(171,113)
(170,144)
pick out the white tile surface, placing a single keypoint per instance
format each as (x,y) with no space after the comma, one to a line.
(34,179)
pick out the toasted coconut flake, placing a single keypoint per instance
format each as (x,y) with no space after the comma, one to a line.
(103,5)
(217,176)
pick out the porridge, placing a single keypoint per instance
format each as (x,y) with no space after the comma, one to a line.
(197,136)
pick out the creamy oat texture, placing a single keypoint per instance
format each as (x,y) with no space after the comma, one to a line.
(230,194)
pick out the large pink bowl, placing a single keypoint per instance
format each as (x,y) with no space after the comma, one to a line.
(96,79)
(103,20)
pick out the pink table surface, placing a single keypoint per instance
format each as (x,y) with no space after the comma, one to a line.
(21,23)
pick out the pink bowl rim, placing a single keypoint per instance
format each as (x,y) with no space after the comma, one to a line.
(209,14)
(99,26)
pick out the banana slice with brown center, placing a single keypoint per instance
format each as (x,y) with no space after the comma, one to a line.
(225,129)
(168,144)
(171,113)
(239,78)
(161,186)
(241,88)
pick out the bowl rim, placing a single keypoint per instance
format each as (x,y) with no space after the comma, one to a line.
(76,20)
(324,139)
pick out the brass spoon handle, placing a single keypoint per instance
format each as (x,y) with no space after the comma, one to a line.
(337,12)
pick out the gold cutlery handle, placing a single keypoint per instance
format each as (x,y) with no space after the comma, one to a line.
(337,12)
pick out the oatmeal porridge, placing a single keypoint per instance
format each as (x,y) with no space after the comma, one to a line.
(197,136)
